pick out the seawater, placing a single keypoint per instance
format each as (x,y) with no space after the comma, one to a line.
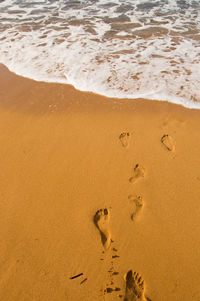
(117,48)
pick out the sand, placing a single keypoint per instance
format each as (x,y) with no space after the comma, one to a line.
(103,189)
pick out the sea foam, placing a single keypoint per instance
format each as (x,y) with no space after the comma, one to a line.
(120,49)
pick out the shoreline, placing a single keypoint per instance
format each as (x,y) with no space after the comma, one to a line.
(192,105)
(71,159)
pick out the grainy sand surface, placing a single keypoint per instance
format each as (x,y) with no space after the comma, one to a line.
(105,188)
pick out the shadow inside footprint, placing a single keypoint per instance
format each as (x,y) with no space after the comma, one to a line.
(101,220)
(134,287)
(168,142)
(138,172)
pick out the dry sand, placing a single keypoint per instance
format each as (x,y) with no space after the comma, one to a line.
(99,187)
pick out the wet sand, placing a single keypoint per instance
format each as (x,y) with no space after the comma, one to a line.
(94,191)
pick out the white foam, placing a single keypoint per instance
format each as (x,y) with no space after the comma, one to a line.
(94,56)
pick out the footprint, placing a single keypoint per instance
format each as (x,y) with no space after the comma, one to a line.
(124,138)
(138,202)
(101,220)
(111,290)
(135,287)
(138,172)
(168,142)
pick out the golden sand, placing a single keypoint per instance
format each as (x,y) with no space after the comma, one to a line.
(100,198)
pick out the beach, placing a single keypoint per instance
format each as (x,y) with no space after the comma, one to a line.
(95,187)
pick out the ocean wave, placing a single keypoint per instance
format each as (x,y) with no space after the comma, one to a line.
(120,49)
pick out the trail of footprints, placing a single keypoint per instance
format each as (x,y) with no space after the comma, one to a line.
(134,283)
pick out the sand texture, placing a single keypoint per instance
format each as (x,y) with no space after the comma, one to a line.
(99,198)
